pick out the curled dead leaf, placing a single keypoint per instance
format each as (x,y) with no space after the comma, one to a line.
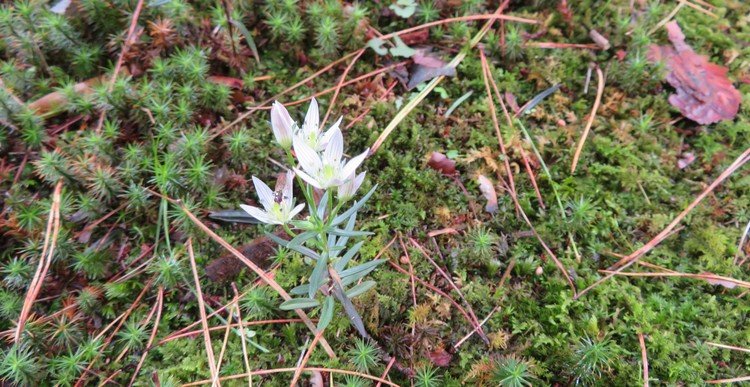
(488,190)
(704,94)
(442,163)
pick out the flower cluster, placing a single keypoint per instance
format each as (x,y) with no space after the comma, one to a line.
(321,164)
(328,181)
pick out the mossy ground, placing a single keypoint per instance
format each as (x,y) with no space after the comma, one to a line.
(158,135)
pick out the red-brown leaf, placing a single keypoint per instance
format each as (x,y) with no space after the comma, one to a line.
(704,94)
(440,357)
(442,163)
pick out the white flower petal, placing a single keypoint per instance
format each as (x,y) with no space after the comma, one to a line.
(296,210)
(354,163)
(257,213)
(326,137)
(308,158)
(264,193)
(312,118)
(287,189)
(309,179)
(335,148)
(282,125)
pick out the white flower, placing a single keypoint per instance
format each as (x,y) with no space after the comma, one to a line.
(282,125)
(326,170)
(311,133)
(275,210)
(347,190)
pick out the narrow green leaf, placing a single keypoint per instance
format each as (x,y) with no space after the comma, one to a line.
(300,249)
(301,238)
(341,263)
(318,276)
(458,102)
(349,276)
(326,313)
(248,38)
(356,290)
(299,290)
(361,202)
(344,233)
(299,303)
(350,310)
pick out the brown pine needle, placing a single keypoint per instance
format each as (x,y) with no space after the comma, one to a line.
(644,358)
(242,335)
(626,262)
(293,369)
(732,380)
(733,348)
(255,268)
(597,102)
(217,328)
(45,260)
(332,103)
(158,306)
(202,310)
(303,363)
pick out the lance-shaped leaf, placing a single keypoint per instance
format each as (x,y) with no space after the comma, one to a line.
(300,290)
(326,313)
(349,309)
(354,208)
(353,274)
(300,239)
(341,264)
(344,233)
(300,249)
(299,303)
(356,290)
(318,276)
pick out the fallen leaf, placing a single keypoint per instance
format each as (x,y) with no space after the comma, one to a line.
(488,190)
(713,279)
(404,8)
(442,163)
(704,94)
(686,159)
(423,57)
(440,357)
(421,74)
(401,49)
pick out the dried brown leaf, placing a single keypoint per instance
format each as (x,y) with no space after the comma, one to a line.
(704,94)
(442,163)
(488,190)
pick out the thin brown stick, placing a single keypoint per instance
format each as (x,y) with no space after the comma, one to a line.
(553,45)
(45,260)
(597,102)
(159,306)
(387,370)
(242,335)
(255,268)
(181,335)
(202,311)
(369,107)
(733,348)
(706,277)
(219,131)
(340,85)
(490,17)
(644,358)
(490,101)
(732,380)
(292,369)
(636,255)
(118,66)
(303,363)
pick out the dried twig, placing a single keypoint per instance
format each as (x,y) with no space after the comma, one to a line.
(204,319)
(45,260)
(597,102)
(293,369)
(644,357)
(158,306)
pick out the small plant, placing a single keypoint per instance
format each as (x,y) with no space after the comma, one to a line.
(595,359)
(364,355)
(19,366)
(321,237)
(427,376)
(511,371)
